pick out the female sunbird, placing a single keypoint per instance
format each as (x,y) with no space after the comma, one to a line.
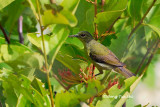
(101,56)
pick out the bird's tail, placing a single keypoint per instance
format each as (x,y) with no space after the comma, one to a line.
(124,71)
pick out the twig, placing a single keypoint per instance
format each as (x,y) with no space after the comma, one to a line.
(20,29)
(90,1)
(124,105)
(45,56)
(102,5)
(95,24)
(52,1)
(110,28)
(141,21)
(1,104)
(151,56)
(5,34)
(145,56)
(55,76)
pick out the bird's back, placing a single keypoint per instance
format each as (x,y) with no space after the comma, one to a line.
(101,53)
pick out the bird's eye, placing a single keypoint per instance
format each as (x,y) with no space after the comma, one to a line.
(82,35)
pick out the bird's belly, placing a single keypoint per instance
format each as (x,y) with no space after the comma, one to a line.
(104,66)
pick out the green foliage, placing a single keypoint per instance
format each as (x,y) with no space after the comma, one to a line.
(23,67)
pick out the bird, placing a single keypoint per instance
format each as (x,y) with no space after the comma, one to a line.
(101,56)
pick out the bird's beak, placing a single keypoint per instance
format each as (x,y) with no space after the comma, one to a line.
(73,36)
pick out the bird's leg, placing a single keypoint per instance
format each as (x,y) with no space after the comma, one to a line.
(100,72)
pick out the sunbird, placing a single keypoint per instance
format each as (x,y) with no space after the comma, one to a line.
(101,56)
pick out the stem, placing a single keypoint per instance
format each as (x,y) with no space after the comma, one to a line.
(141,21)
(110,28)
(20,29)
(45,56)
(102,5)
(145,56)
(95,25)
(124,105)
(106,77)
(55,76)
(5,34)
(151,57)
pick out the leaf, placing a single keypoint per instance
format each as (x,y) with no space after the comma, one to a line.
(63,17)
(2,41)
(135,9)
(73,97)
(70,5)
(12,51)
(29,60)
(39,86)
(117,46)
(73,64)
(103,103)
(111,5)
(156,29)
(21,86)
(105,19)
(119,96)
(113,10)
(4,3)
(49,18)
(14,14)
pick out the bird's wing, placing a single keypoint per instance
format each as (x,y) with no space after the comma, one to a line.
(109,58)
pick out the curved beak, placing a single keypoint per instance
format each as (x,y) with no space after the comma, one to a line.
(73,35)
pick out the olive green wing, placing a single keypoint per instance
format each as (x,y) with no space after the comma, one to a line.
(108,58)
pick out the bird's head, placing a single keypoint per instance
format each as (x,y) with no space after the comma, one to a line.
(84,36)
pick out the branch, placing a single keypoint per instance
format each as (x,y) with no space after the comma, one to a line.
(145,56)
(141,21)
(5,34)
(52,1)
(102,5)
(55,76)
(110,28)
(90,1)
(151,57)
(95,25)
(20,29)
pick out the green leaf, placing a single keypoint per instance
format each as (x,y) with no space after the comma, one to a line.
(113,10)
(105,19)
(135,9)
(73,64)
(156,29)
(39,86)
(29,60)
(12,51)
(4,3)
(103,103)
(21,88)
(2,41)
(22,101)
(14,14)
(73,97)
(111,5)
(70,5)
(121,95)
(64,17)
(117,46)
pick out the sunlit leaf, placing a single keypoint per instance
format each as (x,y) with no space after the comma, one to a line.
(4,3)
